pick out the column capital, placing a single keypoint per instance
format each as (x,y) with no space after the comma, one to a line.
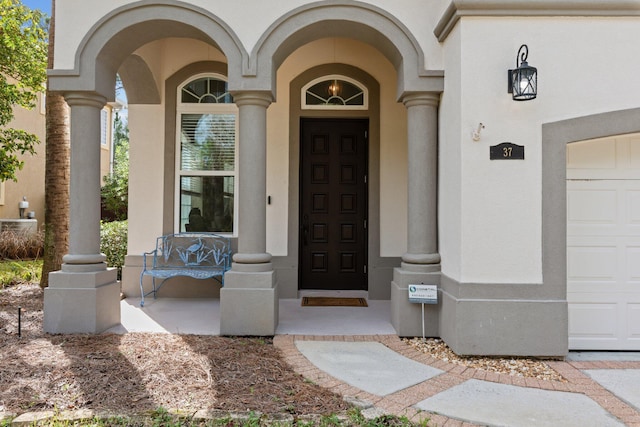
(252,97)
(412,99)
(88,99)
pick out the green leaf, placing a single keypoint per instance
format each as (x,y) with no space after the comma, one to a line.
(23,65)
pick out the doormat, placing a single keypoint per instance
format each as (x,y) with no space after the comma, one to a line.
(333,302)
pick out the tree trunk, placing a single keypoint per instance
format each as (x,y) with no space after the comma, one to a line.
(57,173)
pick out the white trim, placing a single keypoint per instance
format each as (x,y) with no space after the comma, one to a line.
(197,77)
(365,94)
(2,202)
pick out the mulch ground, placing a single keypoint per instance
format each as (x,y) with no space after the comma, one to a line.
(135,372)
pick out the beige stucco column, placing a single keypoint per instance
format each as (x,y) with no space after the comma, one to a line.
(249,298)
(252,185)
(421,262)
(422,135)
(85,295)
(84,206)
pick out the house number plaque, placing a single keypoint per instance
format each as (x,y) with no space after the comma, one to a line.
(506,151)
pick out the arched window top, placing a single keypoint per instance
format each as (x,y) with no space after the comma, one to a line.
(334,92)
(206,90)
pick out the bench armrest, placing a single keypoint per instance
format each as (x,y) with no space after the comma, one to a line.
(228,258)
(144,258)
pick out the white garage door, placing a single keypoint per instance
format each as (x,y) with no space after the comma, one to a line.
(603,244)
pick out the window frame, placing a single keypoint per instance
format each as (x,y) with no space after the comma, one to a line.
(203,108)
(104,128)
(359,85)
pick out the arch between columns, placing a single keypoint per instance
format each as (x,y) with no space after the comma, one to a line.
(108,44)
(360,21)
(111,40)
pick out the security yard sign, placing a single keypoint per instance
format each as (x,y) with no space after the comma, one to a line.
(425,294)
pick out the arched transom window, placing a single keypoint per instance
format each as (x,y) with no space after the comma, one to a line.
(206,184)
(206,90)
(334,92)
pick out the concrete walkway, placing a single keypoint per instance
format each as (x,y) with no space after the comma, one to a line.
(356,353)
(384,375)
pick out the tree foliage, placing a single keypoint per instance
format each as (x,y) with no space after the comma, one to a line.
(115,191)
(23,64)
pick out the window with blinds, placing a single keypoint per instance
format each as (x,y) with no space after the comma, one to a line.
(104,116)
(206,163)
(208,142)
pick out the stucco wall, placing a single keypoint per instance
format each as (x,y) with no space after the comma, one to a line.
(249,22)
(167,56)
(31,178)
(490,211)
(146,193)
(449,166)
(393,154)
(500,222)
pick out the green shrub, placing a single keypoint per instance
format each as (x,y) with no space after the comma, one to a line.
(115,192)
(20,245)
(113,243)
(14,272)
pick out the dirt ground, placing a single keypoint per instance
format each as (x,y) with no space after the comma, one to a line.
(135,372)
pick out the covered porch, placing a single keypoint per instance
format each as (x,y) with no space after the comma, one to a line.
(394,238)
(201,316)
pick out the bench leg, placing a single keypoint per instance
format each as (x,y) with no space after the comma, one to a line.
(141,290)
(154,291)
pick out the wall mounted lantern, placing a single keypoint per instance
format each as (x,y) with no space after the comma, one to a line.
(334,88)
(523,81)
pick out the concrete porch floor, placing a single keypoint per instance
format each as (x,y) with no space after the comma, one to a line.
(202,317)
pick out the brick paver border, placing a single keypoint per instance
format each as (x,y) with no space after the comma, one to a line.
(402,402)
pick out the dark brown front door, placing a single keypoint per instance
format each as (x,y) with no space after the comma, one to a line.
(333,204)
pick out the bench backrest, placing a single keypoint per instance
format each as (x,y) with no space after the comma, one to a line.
(192,250)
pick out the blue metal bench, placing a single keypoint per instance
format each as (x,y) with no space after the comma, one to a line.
(197,255)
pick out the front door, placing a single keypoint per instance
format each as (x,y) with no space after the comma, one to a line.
(333,204)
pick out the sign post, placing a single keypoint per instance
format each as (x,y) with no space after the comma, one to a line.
(423,294)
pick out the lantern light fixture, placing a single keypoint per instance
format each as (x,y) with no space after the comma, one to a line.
(334,88)
(523,80)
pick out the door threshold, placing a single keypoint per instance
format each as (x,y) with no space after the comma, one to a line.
(332,293)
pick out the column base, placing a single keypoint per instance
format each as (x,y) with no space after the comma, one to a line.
(87,302)
(249,303)
(485,319)
(406,317)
